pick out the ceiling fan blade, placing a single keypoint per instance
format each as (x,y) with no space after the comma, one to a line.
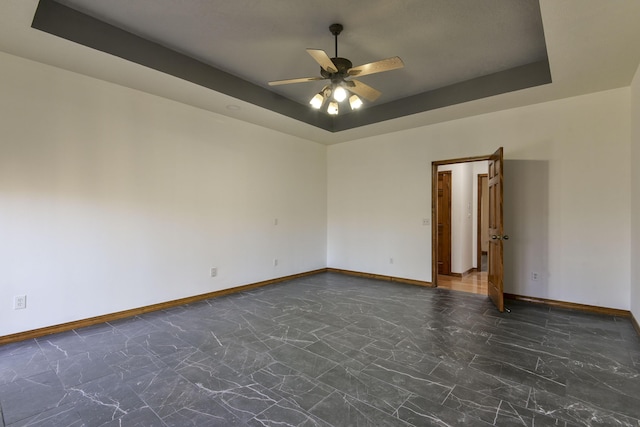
(289,81)
(365,91)
(376,67)
(323,59)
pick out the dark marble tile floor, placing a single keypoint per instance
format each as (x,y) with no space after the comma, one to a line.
(330,350)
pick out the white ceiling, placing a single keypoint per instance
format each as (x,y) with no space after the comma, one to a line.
(592,45)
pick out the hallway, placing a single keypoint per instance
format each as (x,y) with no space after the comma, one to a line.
(475,282)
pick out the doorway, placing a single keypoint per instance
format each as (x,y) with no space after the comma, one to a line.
(487,192)
(459,207)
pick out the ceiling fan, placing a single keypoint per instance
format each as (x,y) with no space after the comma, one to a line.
(340,71)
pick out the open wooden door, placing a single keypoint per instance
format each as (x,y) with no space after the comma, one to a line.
(496,231)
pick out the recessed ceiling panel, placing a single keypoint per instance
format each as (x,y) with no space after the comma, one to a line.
(453,50)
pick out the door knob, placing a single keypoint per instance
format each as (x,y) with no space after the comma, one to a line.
(497,237)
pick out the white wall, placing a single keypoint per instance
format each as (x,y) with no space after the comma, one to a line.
(478,168)
(565,186)
(635,196)
(112,199)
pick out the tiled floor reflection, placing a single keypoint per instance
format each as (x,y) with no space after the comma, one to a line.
(330,350)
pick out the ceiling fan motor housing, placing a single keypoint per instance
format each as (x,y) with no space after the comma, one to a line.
(342,65)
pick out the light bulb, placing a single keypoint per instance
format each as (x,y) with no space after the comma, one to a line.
(317,101)
(332,108)
(355,102)
(339,94)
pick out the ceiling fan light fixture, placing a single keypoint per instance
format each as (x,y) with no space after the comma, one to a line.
(339,94)
(338,70)
(355,102)
(317,101)
(332,108)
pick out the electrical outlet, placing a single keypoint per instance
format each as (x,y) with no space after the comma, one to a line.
(535,276)
(214,271)
(19,302)
(425,221)
(390,260)
(275,262)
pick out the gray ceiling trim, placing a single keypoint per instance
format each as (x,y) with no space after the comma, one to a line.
(530,75)
(67,23)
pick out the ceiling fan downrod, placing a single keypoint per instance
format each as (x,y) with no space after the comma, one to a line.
(336,29)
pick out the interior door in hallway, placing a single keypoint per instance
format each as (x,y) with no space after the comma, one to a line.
(496,231)
(444,222)
(482,232)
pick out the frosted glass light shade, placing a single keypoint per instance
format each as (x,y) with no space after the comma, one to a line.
(332,108)
(355,102)
(317,101)
(339,94)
